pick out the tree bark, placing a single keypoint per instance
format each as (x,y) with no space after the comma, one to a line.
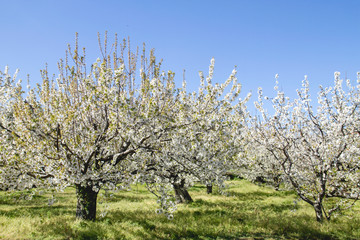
(318,212)
(181,193)
(86,203)
(209,188)
(277,182)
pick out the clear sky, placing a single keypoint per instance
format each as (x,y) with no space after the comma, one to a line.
(262,37)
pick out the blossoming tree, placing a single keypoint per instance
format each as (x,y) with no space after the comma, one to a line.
(99,127)
(83,128)
(316,150)
(203,147)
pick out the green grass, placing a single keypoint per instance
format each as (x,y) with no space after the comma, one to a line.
(250,212)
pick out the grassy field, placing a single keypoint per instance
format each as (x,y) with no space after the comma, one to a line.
(249,212)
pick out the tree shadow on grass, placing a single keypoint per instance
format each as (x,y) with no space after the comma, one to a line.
(279,208)
(16,199)
(288,227)
(282,226)
(219,204)
(82,230)
(259,195)
(158,227)
(197,221)
(127,197)
(281,222)
(248,205)
(189,223)
(41,211)
(198,188)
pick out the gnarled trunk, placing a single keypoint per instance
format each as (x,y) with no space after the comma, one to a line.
(209,188)
(181,193)
(86,203)
(318,212)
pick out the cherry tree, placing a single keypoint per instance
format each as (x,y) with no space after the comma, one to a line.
(15,172)
(202,149)
(100,128)
(258,165)
(9,173)
(317,150)
(83,128)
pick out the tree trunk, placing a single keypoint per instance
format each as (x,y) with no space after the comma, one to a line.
(209,188)
(318,212)
(86,203)
(277,182)
(181,193)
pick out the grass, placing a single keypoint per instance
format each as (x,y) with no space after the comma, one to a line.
(249,212)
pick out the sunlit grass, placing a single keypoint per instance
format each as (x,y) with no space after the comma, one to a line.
(248,212)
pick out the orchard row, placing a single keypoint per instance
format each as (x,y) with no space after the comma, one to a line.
(123,121)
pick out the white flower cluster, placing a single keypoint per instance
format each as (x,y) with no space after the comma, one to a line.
(313,152)
(101,129)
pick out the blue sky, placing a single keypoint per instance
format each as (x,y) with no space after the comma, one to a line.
(262,37)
